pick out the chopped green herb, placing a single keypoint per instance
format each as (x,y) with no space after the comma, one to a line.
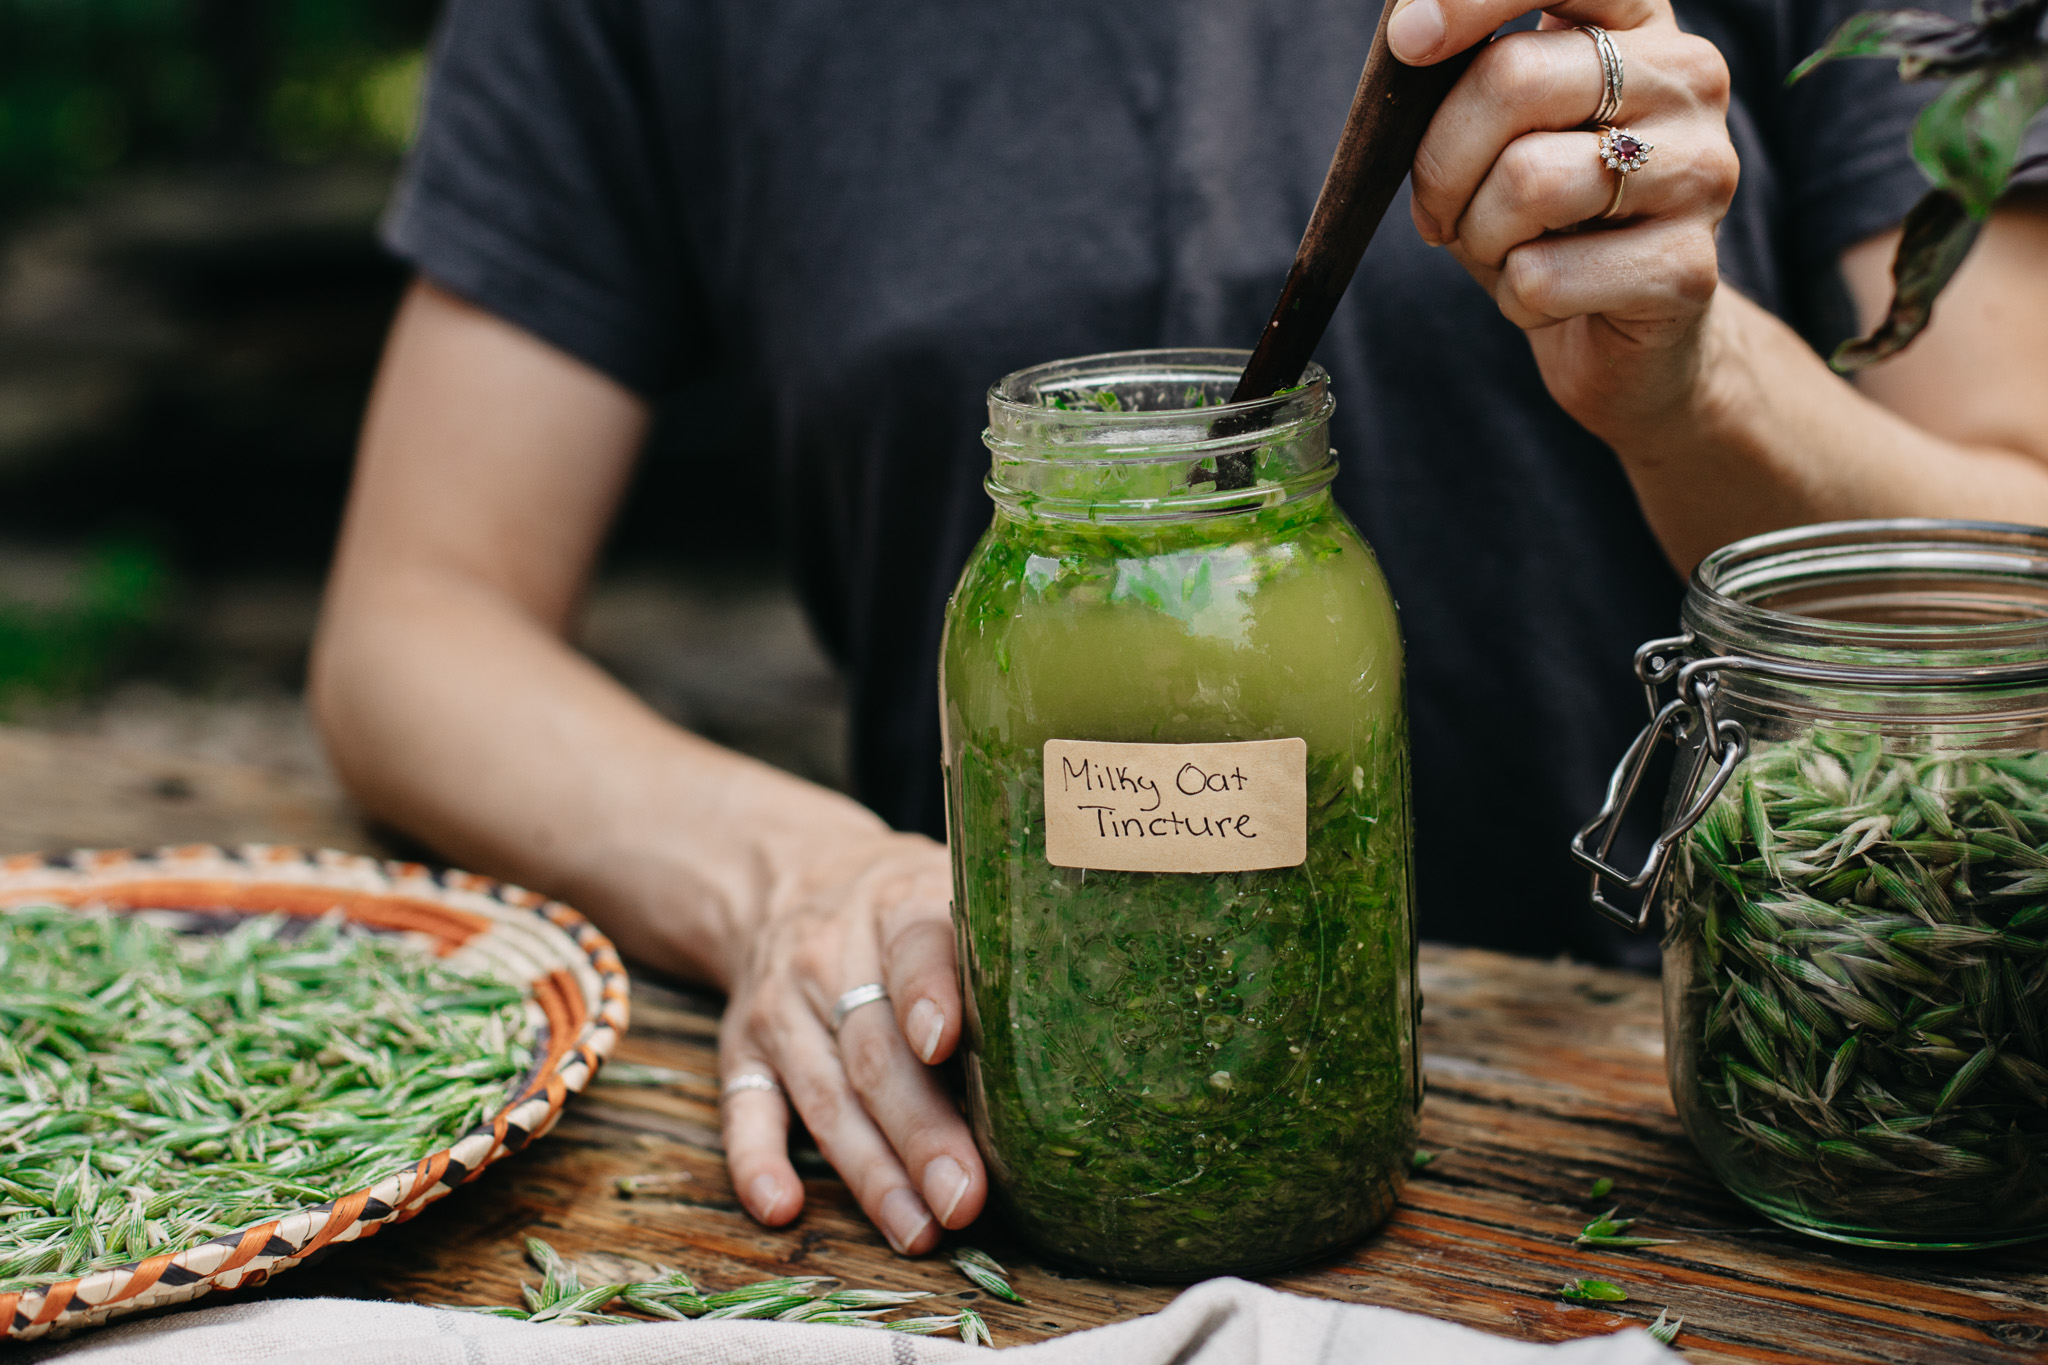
(1185,1074)
(1665,1329)
(1601,1188)
(1107,400)
(159,1088)
(1592,1291)
(1420,1159)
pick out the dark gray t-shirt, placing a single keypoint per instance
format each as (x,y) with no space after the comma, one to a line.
(876,209)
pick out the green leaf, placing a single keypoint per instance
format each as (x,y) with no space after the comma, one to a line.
(1621,1243)
(1592,1291)
(1968,139)
(1420,1159)
(1601,1188)
(1925,44)
(1938,234)
(1607,1225)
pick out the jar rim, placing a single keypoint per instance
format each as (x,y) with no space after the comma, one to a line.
(1900,594)
(1022,392)
(1121,436)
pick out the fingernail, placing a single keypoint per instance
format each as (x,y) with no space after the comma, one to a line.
(904,1218)
(767,1196)
(927,1024)
(945,1185)
(1415,30)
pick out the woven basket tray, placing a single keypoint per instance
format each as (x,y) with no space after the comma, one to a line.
(574,981)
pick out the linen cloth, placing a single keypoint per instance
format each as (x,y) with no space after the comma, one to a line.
(1222,1322)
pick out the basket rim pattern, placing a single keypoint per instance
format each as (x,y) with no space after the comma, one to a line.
(583,997)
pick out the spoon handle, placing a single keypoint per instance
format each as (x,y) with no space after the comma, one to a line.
(1389,114)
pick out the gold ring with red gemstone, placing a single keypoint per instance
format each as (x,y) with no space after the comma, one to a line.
(1622,152)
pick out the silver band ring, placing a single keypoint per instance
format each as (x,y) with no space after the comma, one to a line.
(854,999)
(1610,75)
(750,1080)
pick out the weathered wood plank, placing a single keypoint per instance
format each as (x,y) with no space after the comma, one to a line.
(1543,1077)
(60,792)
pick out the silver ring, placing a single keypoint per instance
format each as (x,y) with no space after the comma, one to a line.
(1610,75)
(750,1080)
(854,999)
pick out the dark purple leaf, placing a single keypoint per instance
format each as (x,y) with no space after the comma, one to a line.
(1937,235)
(1928,44)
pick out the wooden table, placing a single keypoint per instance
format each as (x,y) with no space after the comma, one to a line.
(1543,1077)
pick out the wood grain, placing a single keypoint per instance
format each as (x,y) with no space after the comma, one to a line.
(1543,1077)
(60,792)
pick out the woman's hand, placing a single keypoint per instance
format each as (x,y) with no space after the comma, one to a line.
(454,709)
(1724,419)
(1509,178)
(873,909)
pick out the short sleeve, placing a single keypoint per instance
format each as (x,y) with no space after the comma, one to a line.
(538,188)
(1843,137)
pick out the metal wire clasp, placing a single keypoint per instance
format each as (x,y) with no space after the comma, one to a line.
(1689,719)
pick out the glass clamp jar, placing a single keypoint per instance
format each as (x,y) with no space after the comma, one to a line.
(1853,876)
(1177,795)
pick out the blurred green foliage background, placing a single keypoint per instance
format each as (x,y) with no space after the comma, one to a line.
(232,426)
(109,607)
(88,87)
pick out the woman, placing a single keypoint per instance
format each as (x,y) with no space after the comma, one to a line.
(1560,386)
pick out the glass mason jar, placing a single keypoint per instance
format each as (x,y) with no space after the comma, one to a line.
(1177,793)
(1853,877)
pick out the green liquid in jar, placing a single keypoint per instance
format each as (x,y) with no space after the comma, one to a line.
(1174,1075)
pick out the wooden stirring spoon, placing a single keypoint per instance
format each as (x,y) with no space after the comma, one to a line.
(1389,114)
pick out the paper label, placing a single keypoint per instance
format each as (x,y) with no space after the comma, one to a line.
(1176,807)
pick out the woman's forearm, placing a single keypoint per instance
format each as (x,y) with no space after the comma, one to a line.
(1763,435)
(1773,438)
(452,705)
(457,717)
